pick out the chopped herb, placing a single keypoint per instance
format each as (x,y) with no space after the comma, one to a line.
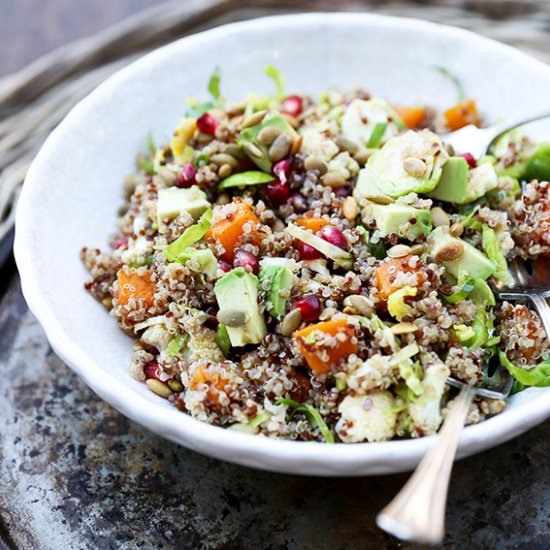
(147,165)
(151,143)
(275,74)
(214,84)
(454,79)
(195,111)
(377,134)
(201,160)
(252,177)
(222,339)
(311,413)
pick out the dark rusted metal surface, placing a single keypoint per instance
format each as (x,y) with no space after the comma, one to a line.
(76,474)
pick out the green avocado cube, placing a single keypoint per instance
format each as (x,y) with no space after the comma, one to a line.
(173,201)
(453,184)
(405,221)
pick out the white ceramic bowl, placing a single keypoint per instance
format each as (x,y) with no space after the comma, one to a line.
(73,190)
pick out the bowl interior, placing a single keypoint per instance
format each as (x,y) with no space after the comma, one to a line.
(74,188)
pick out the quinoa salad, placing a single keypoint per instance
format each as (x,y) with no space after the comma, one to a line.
(316,268)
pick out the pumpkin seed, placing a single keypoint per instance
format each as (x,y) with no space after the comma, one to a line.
(362,155)
(107,302)
(234,151)
(414,167)
(292,121)
(279,148)
(399,250)
(456,229)
(346,144)
(223,198)
(417,249)
(252,150)
(450,149)
(358,303)
(254,119)
(350,209)
(404,328)
(315,163)
(223,158)
(268,135)
(439,217)
(158,387)
(333,179)
(232,317)
(449,251)
(224,171)
(175,385)
(290,322)
(296,145)
(380,199)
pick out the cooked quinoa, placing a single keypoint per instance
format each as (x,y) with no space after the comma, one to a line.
(316,268)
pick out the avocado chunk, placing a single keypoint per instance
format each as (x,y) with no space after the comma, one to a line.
(173,201)
(277,279)
(469,262)
(453,184)
(405,221)
(411,162)
(250,136)
(200,260)
(237,296)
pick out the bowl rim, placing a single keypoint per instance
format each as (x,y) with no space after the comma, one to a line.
(252,450)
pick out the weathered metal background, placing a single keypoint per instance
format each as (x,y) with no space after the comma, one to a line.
(75,474)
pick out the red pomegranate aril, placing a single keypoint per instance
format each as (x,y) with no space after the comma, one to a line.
(469,158)
(307,252)
(292,105)
(119,242)
(187,175)
(334,236)
(282,170)
(299,203)
(207,124)
(310,307)
(224,266)
(246,260)
(277,193)
(151,370)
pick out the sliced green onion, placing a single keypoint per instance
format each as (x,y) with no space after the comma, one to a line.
(176,345)
(377,134)
(275,74)
(199,109)
(252,177)
(147,165)
(191,235)
(312,414)
(454,79)
(151,142)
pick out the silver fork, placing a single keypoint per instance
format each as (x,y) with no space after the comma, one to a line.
(417,513)
(477,141)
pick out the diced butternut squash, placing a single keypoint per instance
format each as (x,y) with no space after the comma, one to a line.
(228,230)
(315,224)
(321,356)
(215,382)
(462,114)
(412,117)
(131,284)
(387,271)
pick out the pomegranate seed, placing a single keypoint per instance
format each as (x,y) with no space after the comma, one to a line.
(282,170)
(224,266)
(187,175)
(310,307)
(334,236)
(207,124)
(292,105)
(307,252)
(246,260)
(151,370)
(119,242)
(469,158)
(277,193)
(211,322)
(298,202)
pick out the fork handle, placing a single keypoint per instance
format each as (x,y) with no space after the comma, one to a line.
(417,513)
(543,309)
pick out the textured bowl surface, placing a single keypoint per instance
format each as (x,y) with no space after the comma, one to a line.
(74,188)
